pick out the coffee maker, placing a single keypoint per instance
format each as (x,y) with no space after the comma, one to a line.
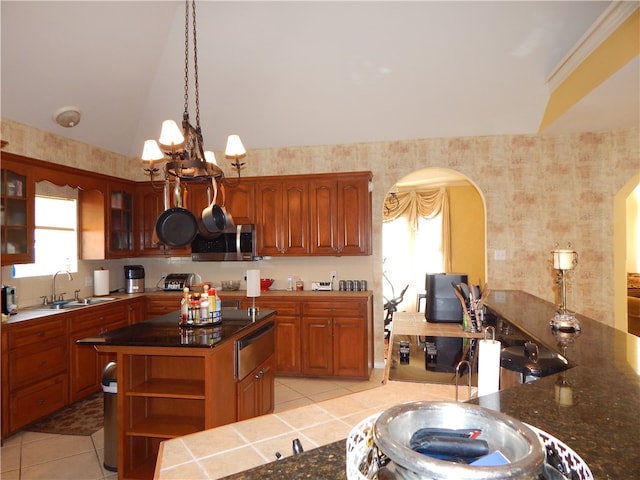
(9,300)
(134,278)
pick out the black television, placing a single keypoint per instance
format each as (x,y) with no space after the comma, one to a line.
(442,304)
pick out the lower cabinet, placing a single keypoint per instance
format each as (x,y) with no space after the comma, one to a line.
(256,392)
(86,364)
(34,372)
(320,334)
(335,339)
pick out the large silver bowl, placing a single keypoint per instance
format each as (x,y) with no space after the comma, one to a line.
(395,426)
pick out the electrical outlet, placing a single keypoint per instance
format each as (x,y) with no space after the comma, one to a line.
(500,255)
(88,281)
(332,274)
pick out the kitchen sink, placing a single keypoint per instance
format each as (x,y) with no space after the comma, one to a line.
(68,305)
(89,301)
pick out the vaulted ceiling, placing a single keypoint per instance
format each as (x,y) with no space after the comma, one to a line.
(297,73)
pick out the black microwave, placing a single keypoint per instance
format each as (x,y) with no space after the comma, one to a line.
(233,245)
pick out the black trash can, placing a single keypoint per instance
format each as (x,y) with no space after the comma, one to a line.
(110,389)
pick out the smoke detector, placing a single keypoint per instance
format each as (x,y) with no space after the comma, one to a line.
(67,116)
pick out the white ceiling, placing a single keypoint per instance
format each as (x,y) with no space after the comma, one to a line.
(291,73)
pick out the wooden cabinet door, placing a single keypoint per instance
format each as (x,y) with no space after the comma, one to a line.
(266,397)
(17,222)
(85,368)
(240,201)
(324,217)
(296,218)
(149,206)
(247,397)
(136,311)
(282,218)
(120,221)
(354,216)
(287,349)
(270,219)
(317,346)
(349,347)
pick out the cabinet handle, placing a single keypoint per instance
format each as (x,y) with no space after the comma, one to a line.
(40,334)
(42,363)
(259,375)
(42,401)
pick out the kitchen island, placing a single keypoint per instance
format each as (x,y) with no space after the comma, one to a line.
(174,380)
(593,407)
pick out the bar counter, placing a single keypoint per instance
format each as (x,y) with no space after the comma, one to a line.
(598,416)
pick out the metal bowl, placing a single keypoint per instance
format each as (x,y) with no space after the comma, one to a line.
(395,426)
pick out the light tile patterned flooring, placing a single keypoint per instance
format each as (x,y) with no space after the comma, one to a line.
(33,456)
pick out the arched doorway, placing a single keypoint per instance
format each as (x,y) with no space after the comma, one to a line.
(626,248)
(467,220)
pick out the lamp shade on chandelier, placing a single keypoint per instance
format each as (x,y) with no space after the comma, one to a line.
(179,151)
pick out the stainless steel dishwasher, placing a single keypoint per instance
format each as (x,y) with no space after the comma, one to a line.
(253,349)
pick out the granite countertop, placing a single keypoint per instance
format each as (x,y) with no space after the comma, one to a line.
(164,331)
(600,422)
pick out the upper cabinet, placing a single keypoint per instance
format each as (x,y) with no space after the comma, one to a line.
(328,214)
(120,218)
(17,222)
(149,204)
(340,214)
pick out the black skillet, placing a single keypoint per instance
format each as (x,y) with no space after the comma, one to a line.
(177,226)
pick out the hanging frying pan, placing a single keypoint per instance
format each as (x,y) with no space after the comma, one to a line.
(213,216)
(177,226)
(229,223)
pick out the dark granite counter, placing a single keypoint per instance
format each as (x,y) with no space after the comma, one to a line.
(599,415)
(164,331)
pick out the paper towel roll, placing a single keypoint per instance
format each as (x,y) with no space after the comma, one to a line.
(100,282)
(488,367)
(253,283)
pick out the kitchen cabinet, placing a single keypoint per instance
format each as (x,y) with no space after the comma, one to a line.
(85,364)
(149,204)
(17,206)
(161,304)
(326,214)
(282,209)
(35,374)
(335,340)
(340,214)
(255,392)
(120,221)
(136,310)
(287,359)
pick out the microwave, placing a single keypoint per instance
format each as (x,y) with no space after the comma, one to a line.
(233,245)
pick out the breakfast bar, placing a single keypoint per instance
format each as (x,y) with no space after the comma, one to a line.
(592,406)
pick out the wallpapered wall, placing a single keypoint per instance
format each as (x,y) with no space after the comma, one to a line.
(539,191)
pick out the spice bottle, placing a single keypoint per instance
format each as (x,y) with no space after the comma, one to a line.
(204,306)
(184,306)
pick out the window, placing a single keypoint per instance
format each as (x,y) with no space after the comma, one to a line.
(56,237)
(409,256)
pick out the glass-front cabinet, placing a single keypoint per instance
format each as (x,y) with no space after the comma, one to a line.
(120,213)
(16,213)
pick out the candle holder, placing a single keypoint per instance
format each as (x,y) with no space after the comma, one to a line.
(563,262)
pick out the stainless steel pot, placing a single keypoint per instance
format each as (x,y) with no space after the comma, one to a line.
(394,427)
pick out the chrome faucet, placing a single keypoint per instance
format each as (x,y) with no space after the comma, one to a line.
(53,283)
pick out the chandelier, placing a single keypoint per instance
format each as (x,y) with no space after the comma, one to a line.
(182,151)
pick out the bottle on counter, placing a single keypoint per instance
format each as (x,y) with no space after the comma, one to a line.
(195,308)
(184,306)
(204,306)
(214,300)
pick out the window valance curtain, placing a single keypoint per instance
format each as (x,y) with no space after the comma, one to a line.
(422,203)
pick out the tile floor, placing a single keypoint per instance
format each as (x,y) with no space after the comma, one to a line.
(34,456)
